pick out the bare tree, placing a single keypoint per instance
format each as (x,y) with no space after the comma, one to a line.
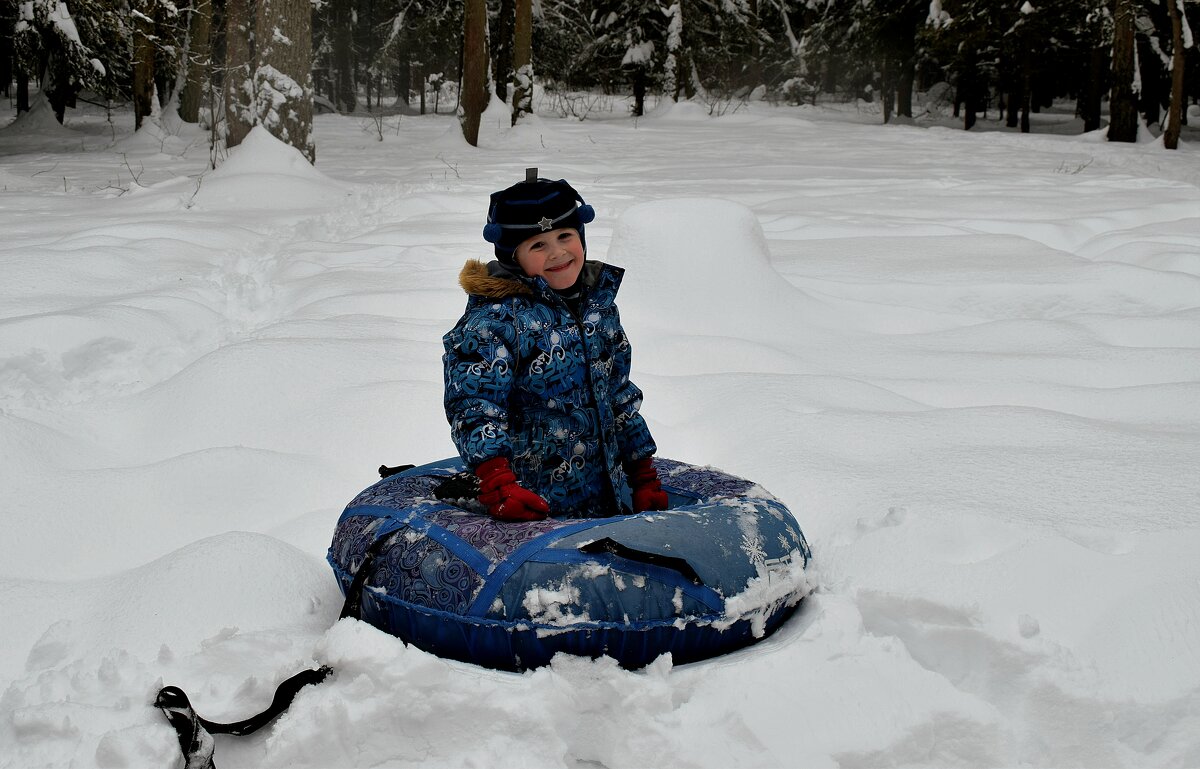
(474,76)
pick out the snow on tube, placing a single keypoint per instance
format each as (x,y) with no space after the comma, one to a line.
(720,569)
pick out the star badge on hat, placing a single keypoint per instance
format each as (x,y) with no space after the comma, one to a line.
(545,223)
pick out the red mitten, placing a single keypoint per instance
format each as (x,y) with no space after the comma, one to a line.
(648,492)
(506,499)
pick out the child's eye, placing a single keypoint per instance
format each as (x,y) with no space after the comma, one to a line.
(566,235)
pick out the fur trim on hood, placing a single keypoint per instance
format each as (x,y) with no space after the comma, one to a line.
(478,279)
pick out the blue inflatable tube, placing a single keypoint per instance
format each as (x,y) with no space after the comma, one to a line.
(720,569)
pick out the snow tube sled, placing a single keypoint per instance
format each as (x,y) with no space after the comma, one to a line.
(720,569)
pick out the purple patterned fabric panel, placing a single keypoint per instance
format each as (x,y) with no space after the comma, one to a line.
(411,568)
(423,572)
(352,538)
(704,482)
(399,491)
(494,539)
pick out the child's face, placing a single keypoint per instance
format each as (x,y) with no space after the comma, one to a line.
(556,255)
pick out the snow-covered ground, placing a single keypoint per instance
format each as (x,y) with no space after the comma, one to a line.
(968,362)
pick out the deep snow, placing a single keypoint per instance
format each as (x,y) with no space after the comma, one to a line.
(968,362)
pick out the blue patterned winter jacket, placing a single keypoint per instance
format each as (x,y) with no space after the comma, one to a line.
(528,379)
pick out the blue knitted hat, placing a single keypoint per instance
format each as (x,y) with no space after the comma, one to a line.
(530,207)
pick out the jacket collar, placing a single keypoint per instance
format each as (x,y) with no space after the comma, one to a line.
(496,280)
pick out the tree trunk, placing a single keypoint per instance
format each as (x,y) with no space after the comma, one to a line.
(56,93)
(887,87)
(6,52)
(404,75)
(197,61)
(753,67)
(674,42)
(523,61)
(22,92)
(1012,85)
(474,91)
(685,62)
(1026,81)
(904,87)
(143,63)
(1026,101)
(345,84)
(1175,111)
(966,91)
(905,59)
(1093,90)
(1151,76)
(1123,114)
(239,82)
(639,92)
(503,53)
(283,79)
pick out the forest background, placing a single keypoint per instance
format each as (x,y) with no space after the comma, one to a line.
(1132,65)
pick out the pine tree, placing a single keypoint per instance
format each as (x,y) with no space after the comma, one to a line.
(68,53)
(632,35)
(564,36)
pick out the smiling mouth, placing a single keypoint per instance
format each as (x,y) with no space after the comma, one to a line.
(559,267)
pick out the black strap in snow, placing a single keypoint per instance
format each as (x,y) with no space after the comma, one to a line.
(283,698)
(195,732)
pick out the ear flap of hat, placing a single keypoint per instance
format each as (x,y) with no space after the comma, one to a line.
(586,212)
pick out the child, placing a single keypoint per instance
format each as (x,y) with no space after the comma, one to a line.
(537,369)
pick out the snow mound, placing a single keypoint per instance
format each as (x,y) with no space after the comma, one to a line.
(682,111)
(214,610)
(264,173)
(238,580)
(387,703)
(495,124)
(685,253)
(154,138)
(262,153)
(39,120)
